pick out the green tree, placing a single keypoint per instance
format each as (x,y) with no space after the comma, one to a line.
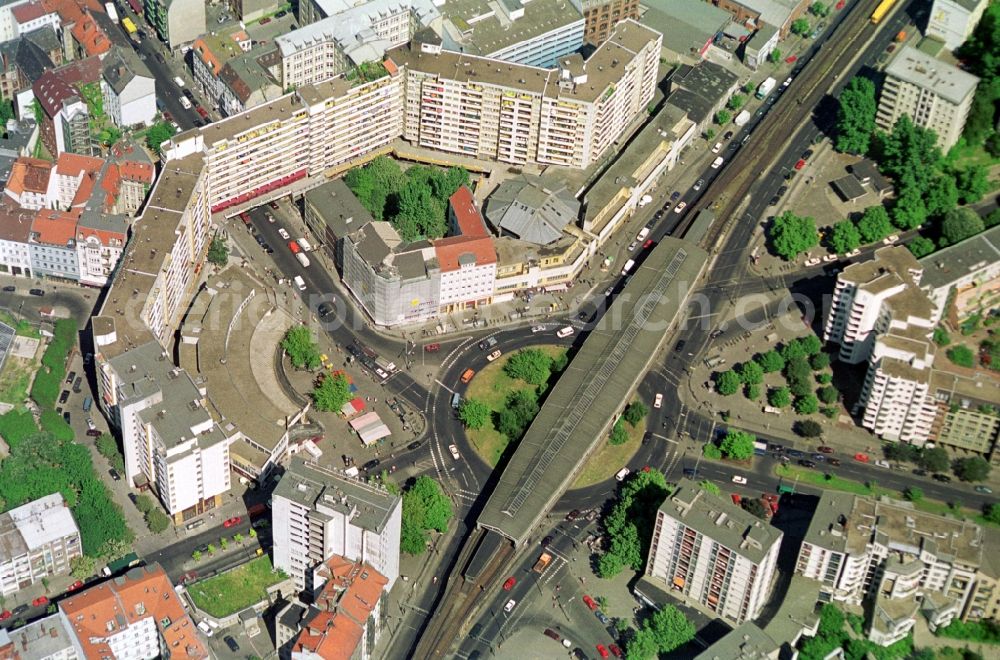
(619,434)
(735,102)
(909,212)
(992,145)
(530,365)
(641,646)
(855,122)
(157,521)
(671,629)
(635,412)
(819,9)
(609,565)
(332,393)
(238,538)
(959,224)
(828,394)
(800,26)
(771,361)
(752,391)
(629,521)
(819,361)
(974,468)
(909,153)
(755,507)
(973,182)
(144,503)
(874,224)
(6,112)
(710,451)
(738,445)
(791,235)
(520,409)
(751,373)
(913,494)
(218,252)
(224,543)
(211,549)
(831,621)
(992,513)
(196,555)
(921,247)
(301,348)
(779,397)
(157,134)
(82,567)
(961,355)
(934,460)
(806,405)
(773,57)
(436,505)
(722,117)
(474,413)
(252,533)
(807,428)
(941,195)
(844,237)
(727,383)
(941,336)
(980,122)
(810,344)
(710,487)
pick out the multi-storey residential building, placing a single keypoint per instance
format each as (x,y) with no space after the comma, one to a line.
(15,229)
(176,22)
(952,21)
(536,33)
(934,94)
(601,16)
(886,552)
(246,81)
(100,241)
(331,212)
(872,296)
(28,183)
(65,119)
(66,179)
(347,36)
(318,513)
(211,53)
(713,552)
(128,89)
(42,639)
(964,278)
(137,615)
(37,541)
(33,15)
(172,444)
(8,26)
(346,617)
(518,114)
(467,258)
(53,244)
(251,10)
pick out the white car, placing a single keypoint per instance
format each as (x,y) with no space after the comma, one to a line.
(658,400)
(717,148)
(813,261)
(830,257)
(632,246)
(454,452)
(717,163)
(535,329)
(283,233)
(494,355)
(854,253)
(680,207)
(889,240)
(622,473)
(510,605)
(737,479)
(270,218)
(788,81)
(883,464)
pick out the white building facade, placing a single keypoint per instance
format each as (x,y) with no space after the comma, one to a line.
(37,540)
(952,21)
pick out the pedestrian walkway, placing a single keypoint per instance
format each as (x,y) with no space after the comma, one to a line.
(264,341)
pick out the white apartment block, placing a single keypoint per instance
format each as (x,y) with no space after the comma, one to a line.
(935,95)
(100,241)
(317,513)
(714,553)
(871,297)
(967,274)
(885,551)
(172,444)
(15,229)
(42,639)
(8,26)
(896,396)
(952,21)
(37,540)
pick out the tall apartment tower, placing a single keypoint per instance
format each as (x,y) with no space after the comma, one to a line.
(318,513)
(714,552)
(935,95)
(952,21)
(601,16)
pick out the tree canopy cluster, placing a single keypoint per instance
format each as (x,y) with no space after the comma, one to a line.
(629,522)
(981,53)
(425,507)
(832,634)
(218,251)
(790,235)
(159,133)
(301,348)
(332,392)
(663,631)
(414,201)
(531,365)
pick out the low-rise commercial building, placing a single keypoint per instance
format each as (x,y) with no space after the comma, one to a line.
(318,513)
(952,21)
(47,638)
(37,541)
(779,13)
(713,552)
(701,90)
(934,94)
(689,28)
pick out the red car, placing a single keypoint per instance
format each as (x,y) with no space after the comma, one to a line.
(589,602)
(432,348)
(509,584)
(823,449)
(648,244)
(245,218)
(615,651)
(76,585)
(736,498)
(202,112)
(771,501)
(791,59)
(41,600)
(862,458)
(294,247)
(5,615)
(602,651)
(235,520)
(839,5)
(799,165)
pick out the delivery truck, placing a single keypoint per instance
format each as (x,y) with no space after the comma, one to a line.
(543,561)
(766,87)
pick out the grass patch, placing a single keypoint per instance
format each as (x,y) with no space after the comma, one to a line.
(15,379)
(491,386)
(22,328)
(237,589)
(792,475)
(609,458)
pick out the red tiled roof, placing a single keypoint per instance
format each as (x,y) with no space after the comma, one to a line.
(51,91)
(448,251)
(53,227)
(470,221)
(71,11)
(123,602)
(77,72)
(69,164)
(91,37)
(15,222)
(103,235)
(28,12)
(29,175)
